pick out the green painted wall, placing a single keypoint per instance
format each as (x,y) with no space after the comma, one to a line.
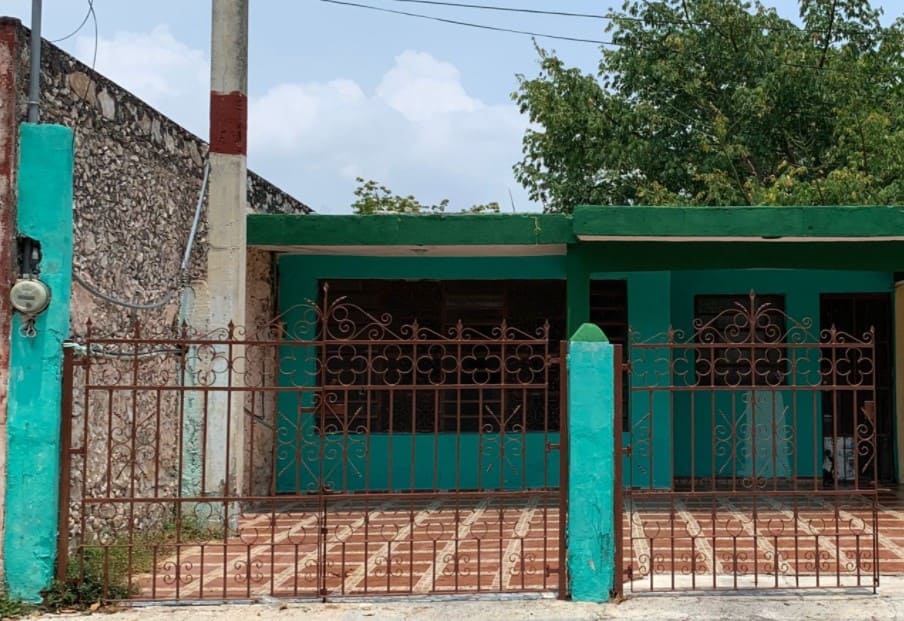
(802,289)
(590,525)
(305,270)
(443,461)
(33,424)
(658,422)
(759,222)
(527,229)
(385,463)
(649,423)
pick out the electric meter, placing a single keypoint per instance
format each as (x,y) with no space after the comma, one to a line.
(30,296)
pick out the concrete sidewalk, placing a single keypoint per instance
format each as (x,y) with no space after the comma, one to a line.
(762,605)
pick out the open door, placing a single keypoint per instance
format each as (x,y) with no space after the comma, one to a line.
(856,314)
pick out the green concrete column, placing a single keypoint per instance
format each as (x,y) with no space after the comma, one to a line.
(591,487)
(35,391)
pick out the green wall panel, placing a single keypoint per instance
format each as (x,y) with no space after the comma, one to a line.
(800,409)
(384,462)
(649,421)
(659,422)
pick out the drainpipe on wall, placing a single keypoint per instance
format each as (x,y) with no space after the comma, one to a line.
(34,78)
(227,255)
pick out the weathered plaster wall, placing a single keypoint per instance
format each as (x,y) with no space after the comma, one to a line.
(9,34)
(261,406)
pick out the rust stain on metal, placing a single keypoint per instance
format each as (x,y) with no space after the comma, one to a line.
(229,123)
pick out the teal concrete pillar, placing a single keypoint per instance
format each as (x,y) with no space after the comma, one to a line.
(35,391)
(590,526)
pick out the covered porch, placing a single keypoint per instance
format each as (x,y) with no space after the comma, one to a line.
(636,272)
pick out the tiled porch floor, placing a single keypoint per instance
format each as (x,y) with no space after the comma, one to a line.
(447,547)
(393,548)
(792,544)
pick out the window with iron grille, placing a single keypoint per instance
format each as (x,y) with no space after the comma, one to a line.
(398,396)
(740,345)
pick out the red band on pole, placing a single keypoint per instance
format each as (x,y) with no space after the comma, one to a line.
(229,123)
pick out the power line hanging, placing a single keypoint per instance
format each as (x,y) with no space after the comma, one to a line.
(88,14)
(469,24)
(505,9)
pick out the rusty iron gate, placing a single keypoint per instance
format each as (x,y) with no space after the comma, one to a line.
(748,454)
(333,453)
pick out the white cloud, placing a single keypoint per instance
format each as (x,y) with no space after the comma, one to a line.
(422,88)
(419,132)
(158,68)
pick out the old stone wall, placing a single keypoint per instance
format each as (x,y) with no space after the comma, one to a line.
(137,179)
(138,176)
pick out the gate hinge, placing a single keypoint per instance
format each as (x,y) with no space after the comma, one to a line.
(626,367)
(627,450)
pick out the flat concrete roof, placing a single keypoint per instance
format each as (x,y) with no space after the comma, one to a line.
(551,233)
(614,238)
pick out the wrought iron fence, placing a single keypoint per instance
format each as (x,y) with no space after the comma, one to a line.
(751,458)
(329,453)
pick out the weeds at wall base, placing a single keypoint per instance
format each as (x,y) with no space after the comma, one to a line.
(14,608)
(100,574)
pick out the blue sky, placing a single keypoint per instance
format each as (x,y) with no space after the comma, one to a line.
(338,92)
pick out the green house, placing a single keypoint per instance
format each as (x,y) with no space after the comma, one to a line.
(649,277)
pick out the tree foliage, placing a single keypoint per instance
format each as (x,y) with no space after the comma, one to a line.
(375,198)
(722,102)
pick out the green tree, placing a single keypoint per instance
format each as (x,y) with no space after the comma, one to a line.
(375,198)
(722,102)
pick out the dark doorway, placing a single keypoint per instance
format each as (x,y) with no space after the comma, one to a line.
(856,314)
(440,304)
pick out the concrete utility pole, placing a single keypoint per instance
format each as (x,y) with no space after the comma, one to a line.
(226,255)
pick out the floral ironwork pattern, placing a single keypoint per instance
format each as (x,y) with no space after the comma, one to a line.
(330,451)
(733,474)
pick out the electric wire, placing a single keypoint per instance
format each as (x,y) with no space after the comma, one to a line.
(99,351)
(183,267)
(348,3)
(80,26)
(469,24)
(789,27)
(506,9)
(96,37)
